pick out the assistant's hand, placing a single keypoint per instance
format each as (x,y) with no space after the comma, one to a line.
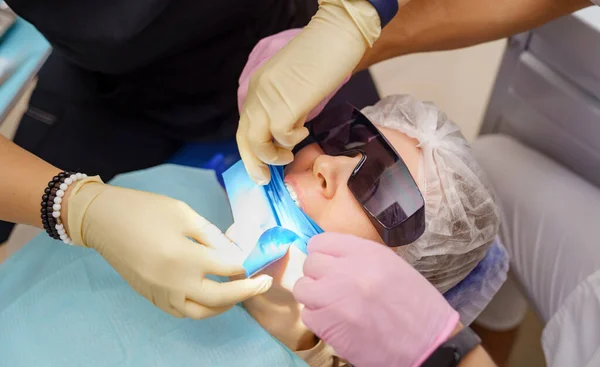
(370,305)
(261,53)
(144,237)
(284,90)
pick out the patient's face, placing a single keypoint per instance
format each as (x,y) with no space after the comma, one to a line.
(321,185)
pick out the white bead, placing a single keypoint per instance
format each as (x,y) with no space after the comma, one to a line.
(68,181)
(63,237)
(83,175)
(60,193)
(56,207)
(61,231)
(73,178)
(67,241)
(59,227)
(57,200)
(56,214)
(63,187)
(79,176)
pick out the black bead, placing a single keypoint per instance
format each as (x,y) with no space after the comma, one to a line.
(62,174)
(44,204)
(53,191)
(51,198)
(47,191)
(43,211)
(55,178)
(51,184)
(46,227)
(44,216)
(62,179)
(45,197)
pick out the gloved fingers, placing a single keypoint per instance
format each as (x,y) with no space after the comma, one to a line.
(319,320)
(214,294)
(287,137)
(210,235)
(270,153)
(215,262)
(314,294)
(257,169)
(195,311)
(161,299)
(317,265)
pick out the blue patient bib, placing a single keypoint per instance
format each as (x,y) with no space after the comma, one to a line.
(267,216)
(65,306)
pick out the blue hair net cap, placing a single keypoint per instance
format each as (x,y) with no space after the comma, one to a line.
(267,216)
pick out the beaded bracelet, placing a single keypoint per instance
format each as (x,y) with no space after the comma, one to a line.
(51,204)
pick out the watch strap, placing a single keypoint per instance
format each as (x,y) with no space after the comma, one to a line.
(387,10)
(450,353)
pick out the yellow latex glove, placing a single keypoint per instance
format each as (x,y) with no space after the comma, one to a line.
(288,86)
(143,236)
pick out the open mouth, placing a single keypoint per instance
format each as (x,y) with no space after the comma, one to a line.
(293,194)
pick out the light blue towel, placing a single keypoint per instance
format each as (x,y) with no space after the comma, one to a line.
(65,306)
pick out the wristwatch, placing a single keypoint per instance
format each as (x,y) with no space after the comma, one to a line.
(386,9)
(454,350)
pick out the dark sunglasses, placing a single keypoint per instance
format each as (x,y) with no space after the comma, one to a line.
(381,181)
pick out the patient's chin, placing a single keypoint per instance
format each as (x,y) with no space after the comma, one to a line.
(287,270)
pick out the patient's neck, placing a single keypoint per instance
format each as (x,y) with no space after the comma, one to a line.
(278,312)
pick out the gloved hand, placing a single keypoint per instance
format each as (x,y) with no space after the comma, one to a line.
(143,236)
(263,51)
(370,305)
(284,90)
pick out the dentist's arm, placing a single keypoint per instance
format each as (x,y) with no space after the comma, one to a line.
(372,307)
(143,236)
(436,25)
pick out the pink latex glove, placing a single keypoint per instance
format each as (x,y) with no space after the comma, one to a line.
(263,51)
(370,305)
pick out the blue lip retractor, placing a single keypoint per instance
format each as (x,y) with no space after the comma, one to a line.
(267,217)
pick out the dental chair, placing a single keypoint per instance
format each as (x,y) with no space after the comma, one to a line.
(540,147)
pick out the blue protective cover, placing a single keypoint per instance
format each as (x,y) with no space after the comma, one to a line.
(24,45)
(267,216)
(474,293)
(65,306)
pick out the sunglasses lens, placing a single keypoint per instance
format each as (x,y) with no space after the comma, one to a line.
(382,184)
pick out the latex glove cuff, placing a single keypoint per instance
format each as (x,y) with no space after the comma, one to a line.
(79,201)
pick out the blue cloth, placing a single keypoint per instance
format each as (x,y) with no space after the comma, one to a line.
(268,217)
(65,306)
(22,44)
(472,294)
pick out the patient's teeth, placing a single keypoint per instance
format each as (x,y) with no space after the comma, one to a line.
(293,194)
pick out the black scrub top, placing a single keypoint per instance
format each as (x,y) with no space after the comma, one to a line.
(175,61)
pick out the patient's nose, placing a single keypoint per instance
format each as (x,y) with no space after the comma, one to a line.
(333,172)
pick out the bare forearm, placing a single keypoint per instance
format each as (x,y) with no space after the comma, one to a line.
(435,25)
(23,178)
